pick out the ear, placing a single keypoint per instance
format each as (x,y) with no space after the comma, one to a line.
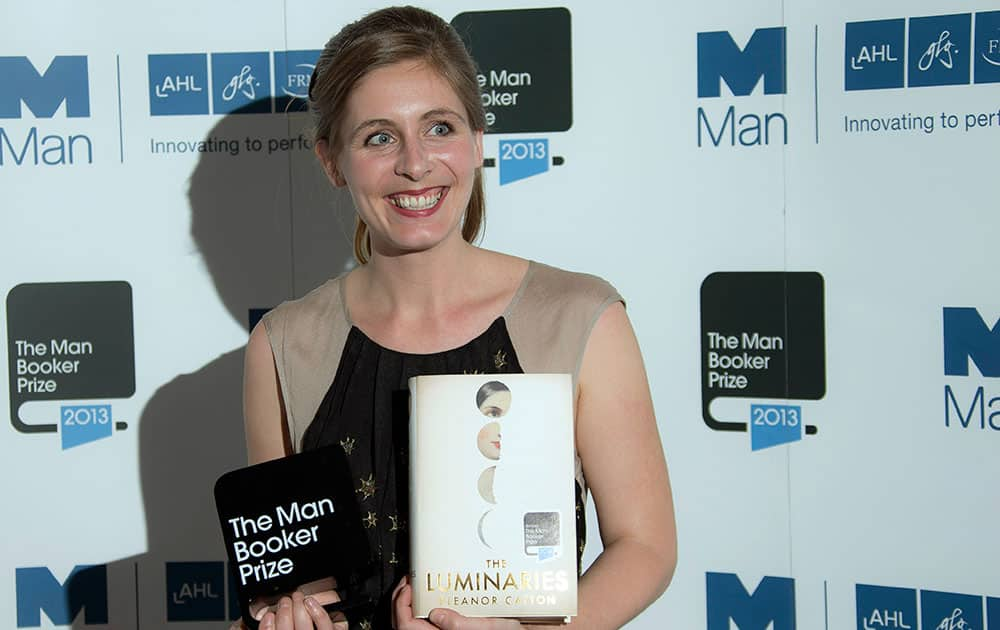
(329,163)
(479,149)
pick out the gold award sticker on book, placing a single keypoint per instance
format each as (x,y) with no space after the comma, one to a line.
(492,490)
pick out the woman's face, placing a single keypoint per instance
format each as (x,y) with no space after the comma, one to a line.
(408,156)
(496,404)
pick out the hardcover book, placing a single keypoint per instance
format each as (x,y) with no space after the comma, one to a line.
(492,496)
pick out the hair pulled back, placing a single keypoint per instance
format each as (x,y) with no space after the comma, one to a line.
(380,39)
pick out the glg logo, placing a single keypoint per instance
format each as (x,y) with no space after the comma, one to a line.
(85,589)
(941,51)
(65,80)
(730,606)
(721,59)
(241,82)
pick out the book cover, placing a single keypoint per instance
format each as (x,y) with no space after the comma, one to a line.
(492,495)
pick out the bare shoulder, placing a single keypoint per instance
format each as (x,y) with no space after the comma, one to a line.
(263,408)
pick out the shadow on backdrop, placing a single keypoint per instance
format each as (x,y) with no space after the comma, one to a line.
(269,227)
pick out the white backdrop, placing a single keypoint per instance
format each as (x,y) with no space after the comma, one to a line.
(899,224)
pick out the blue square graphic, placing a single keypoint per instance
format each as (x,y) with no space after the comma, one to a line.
(885,607)
(241,83)
(292,71)
(950,610)
(81,424)
(986,51)
(993,613)
(874,54)
(939,50)
(523,158)
(771,425)
(195,591)
(178,84)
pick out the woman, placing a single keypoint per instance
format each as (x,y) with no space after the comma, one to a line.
(399,123)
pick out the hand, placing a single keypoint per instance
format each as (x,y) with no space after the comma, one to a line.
(303,612)
(403,619)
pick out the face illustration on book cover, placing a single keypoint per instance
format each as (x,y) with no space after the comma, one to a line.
(493,400)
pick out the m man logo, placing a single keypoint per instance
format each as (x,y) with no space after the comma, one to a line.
(940,51)
(86,589)
(721,59)
(240,82)
(968,337)
(65,80)
(731,607)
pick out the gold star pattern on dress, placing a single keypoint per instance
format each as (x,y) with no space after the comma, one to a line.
(500,359)
(396,523)
(348,444)
(365,625)
(471,372)
(393,559)
(582,544)
(371,520)
(368,488)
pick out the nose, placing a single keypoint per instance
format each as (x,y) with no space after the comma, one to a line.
(413,161)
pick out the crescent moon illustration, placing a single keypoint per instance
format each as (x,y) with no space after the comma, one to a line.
(486,485)
(482,538)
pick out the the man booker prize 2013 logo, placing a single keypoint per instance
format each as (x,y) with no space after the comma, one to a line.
(761,60)
(62,85)
(970,402)
(69,341)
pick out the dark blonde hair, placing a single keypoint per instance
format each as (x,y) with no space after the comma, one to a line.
(384,38)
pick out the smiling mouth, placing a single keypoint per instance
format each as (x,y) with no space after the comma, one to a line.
(424,201)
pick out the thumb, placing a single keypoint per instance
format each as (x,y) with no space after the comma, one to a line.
(446,619)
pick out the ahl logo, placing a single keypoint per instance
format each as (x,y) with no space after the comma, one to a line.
(69,341)
(941,51)
(730,606)
(241,82)
(525,77)
(967,338)
(762,337)
(86,589)
(721,59)
(195,592)
(893,608)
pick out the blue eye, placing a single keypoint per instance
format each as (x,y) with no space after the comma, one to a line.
(378,139)
(440,129)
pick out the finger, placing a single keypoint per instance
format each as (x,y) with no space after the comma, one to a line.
(267,622)
(301,616)
(284,620)
(318,616)
(446,619)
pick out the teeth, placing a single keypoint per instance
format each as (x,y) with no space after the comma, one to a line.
(419,202)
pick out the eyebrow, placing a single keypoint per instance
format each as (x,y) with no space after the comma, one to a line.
(385,122)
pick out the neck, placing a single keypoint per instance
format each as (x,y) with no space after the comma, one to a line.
(421,283)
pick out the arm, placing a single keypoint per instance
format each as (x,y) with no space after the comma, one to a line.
(263,407)
(631,492)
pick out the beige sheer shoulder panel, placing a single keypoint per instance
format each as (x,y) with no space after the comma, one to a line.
(550,322)
(307,338)
(551,318)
